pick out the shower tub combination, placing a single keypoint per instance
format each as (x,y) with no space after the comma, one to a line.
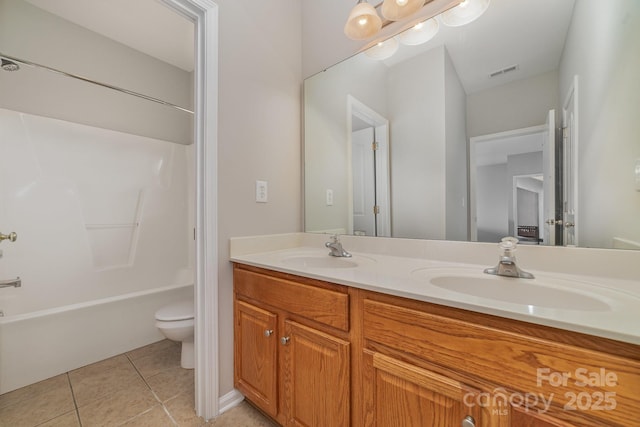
(104,239)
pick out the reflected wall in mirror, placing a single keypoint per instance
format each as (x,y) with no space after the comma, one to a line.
(522,122)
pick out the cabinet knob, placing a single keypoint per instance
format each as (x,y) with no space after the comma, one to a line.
(285,340)
(468,421)
(268,332)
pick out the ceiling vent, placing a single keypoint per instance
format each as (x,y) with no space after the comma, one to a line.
(504,71)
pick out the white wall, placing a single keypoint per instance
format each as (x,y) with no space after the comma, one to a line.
(259,135)
(515,105)
(609,205)
(456,154)
(418,146)
(326,135)
(492,203)
(30,33)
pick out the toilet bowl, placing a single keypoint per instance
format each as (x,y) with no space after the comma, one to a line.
(175,321)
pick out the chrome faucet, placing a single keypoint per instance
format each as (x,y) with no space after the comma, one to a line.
(16,283)
(507,263)
(336,247)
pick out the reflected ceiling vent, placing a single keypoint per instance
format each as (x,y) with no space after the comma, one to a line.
(504,71)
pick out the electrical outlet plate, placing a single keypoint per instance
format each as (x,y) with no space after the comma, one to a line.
(637,173)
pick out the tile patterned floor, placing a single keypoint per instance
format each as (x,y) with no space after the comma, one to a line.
(143,387)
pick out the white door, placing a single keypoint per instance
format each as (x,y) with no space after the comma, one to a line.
(570,165)
(383,198)
(548,169)
(363,163)
(370,183)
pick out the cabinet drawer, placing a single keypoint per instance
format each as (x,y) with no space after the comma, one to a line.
(529,365)
(326,306)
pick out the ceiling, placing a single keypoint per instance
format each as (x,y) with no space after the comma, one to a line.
(497,151)
(169,39)
(527,33)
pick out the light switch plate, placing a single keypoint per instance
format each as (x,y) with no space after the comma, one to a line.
(637,173)
(261,192)
(329,197)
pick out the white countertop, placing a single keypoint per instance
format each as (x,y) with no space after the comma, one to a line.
(614,314)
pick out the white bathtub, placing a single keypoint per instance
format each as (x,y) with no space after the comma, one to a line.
(105,237)
(36,346)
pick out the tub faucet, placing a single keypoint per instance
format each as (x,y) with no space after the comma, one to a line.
(16,283)
(507,263)
(336,247)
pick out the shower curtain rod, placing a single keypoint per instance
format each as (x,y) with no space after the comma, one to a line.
(84,79)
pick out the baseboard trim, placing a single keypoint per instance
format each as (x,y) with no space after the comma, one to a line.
(229,400)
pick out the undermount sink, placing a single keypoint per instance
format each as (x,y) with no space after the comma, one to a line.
(551,293)
(324,261)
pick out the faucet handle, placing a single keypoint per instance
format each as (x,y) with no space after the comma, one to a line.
(334,238)
(508,245)
(508,242)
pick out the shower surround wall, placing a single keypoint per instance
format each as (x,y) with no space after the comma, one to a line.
(104,230)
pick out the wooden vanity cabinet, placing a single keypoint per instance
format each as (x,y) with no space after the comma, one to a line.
(312,353)
(441,364)
(292,351)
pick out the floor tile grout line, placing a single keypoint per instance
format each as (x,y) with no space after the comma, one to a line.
(73,396)
(166,411)
(164,408)
(76,390)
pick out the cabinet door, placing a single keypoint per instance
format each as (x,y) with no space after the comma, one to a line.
(520,417)
(316,378)
(403,395)
(255,370)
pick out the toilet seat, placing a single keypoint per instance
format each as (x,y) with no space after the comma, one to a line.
(181,310)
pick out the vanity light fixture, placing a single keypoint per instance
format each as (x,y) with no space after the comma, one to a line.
(395,10)
(464,13)
(383,50)
(363,22)
(420,33)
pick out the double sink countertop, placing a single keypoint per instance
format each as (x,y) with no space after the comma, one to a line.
(601,306)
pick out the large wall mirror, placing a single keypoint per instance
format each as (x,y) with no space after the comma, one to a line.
(523,122)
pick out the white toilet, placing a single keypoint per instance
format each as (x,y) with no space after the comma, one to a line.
(175,321)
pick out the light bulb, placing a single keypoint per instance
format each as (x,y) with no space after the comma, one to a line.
(363,22)
(395,10)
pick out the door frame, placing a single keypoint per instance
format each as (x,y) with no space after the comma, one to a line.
(204,15)
(571,100)
(473,216)
(383,180)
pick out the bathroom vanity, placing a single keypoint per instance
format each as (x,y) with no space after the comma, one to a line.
(320,342)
